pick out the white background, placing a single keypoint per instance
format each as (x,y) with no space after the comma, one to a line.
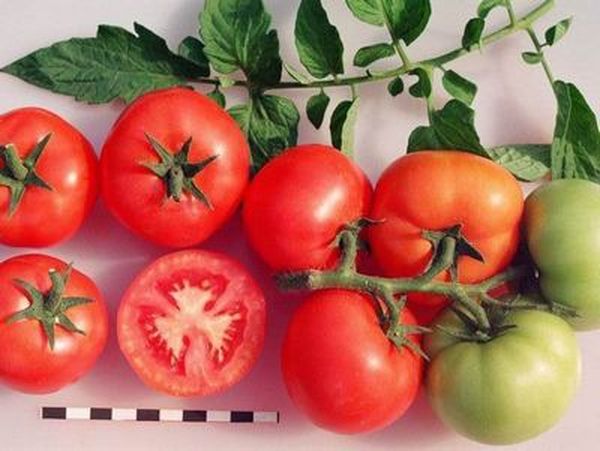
(514,104)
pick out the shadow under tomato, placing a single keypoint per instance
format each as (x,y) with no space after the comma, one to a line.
(418,427)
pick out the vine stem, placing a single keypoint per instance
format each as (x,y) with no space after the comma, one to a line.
(351,280)
(511,11)
(540,49)
(388,290)
(521,24)
(401,51)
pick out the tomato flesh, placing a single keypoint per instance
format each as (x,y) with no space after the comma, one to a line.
(192,323)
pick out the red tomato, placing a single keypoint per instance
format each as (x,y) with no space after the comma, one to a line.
(166,188)
(297,204)
(30,361)
(434,191)
(58,192)
(192,323)
(341,370)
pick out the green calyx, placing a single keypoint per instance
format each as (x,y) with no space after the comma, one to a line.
(472,330)
(178,172)
(448,246)
(19,174)
(399,333)
(400,338)
(50,308)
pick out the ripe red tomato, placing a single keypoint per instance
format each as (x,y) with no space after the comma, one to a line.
(299,201)
(341,370)
(38,356)
(434,191)
(48,178)
(192,323)
(174,167)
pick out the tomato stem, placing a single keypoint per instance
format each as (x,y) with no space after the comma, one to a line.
(349,250)
(540,50)
(389,290)
(518,303)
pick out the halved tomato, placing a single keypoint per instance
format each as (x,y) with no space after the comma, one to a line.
(192,323)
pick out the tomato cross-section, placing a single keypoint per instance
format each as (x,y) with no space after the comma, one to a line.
(192,323)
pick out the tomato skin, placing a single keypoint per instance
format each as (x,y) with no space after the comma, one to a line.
(509,389)
(155,295)
(27,363)
(68,164)
(561,227)
(138,198)
(299,201)
(435,190)
(341,370)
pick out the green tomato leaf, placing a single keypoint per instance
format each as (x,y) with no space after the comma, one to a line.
(459,87)
(452,128)
(557,32)
(192,49)
(409,25)
(318,41)
(576,146)
(114,64)
(368,11)
(316,108)
(396,87)
(405,19)
(296,74)
(473,33)
(349,128)
(368,55)
(337,122)
(532,57)
(237,36)
(270,124)
(486,6)
(218,97)
(422,88)
(527,162)
(342,124)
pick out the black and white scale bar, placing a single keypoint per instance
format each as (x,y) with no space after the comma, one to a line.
(159,415)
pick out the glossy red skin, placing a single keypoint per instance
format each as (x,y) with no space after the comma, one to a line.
(147,291)
(341,370)
(137,197)
(27,363)
(68,164)
(435,190)
(299,201)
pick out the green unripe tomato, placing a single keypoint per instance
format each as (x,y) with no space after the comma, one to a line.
(506,390)
(562,226)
